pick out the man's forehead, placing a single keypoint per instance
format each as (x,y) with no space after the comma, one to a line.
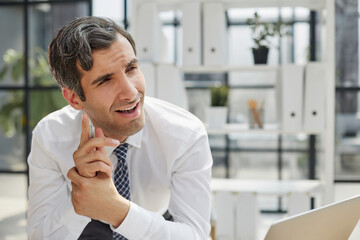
(125,55)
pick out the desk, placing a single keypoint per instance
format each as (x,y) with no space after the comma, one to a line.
(281,188)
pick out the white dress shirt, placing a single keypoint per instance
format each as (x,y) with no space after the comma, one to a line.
(169,167)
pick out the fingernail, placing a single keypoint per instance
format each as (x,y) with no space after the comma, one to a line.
(117,142)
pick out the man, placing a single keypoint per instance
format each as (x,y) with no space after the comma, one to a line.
(163,161)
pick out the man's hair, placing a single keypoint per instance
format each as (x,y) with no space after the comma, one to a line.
(74,44)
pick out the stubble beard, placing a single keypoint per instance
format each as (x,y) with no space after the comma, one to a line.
(118,132)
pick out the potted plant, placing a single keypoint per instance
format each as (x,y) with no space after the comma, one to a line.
(261,31)
(217,113)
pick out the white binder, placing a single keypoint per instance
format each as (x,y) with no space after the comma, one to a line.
(147,34)
(170,86)
(191,37)
(148,70)
(314,108)
(290,87)
(215,36)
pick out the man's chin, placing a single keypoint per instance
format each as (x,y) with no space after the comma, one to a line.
(132,128)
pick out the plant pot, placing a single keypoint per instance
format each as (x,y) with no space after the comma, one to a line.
(217,117)
(260,55)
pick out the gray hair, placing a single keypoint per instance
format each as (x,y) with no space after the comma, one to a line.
(74,44)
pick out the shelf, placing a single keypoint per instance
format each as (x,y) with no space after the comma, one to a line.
(224,69)
(244,128)
(311,4)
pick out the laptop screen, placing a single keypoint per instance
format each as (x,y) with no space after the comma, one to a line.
(332,222)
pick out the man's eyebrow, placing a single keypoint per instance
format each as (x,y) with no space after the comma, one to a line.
(108,75)
(101,78)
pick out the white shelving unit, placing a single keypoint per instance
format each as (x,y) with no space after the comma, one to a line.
(233,128)
(326,7)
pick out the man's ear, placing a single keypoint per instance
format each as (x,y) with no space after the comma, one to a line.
(72,98)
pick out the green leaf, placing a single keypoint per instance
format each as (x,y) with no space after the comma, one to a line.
(11,117)
(3,73)
(219,96)
(262,31)
(17,70)
(10,56)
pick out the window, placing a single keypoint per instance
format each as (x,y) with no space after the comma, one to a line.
(27,90)
(347,143)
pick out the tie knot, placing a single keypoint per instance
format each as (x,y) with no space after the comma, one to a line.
(121,150)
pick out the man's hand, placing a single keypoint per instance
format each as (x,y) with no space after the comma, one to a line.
(97,198)
(93,191)
(90,157)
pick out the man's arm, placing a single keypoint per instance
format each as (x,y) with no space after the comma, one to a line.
(50,212)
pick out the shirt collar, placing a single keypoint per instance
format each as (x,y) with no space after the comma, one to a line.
(133,140)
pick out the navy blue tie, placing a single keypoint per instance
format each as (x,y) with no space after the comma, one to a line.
(121,178)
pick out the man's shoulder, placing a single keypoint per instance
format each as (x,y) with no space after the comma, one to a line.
(170,117)
(61,125)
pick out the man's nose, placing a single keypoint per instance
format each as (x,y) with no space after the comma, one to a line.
(126,89)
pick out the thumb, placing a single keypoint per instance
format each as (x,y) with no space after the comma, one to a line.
(99,133)
(84,129)
(73,175)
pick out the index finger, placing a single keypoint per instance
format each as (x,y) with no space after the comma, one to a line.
(84,129)
(99,133)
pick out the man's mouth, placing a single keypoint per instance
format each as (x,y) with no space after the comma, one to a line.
(128,109)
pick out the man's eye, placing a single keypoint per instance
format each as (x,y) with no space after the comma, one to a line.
(103,81)
(131,68)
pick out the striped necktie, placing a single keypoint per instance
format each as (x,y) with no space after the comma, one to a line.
(121,178)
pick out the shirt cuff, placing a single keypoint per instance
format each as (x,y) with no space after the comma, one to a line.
(137,216)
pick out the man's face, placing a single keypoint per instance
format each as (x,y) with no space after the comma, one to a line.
(114,89)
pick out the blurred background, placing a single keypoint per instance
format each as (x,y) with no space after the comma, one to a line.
(28,93)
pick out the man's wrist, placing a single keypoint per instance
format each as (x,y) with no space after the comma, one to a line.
(120,211)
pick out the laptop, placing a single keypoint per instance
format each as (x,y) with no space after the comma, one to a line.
(331,222)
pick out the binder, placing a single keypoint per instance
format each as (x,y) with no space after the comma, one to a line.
(215,36)
(314,106)
(148,70)
(147,34)
(191,37)
(290,95)
(170,86)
